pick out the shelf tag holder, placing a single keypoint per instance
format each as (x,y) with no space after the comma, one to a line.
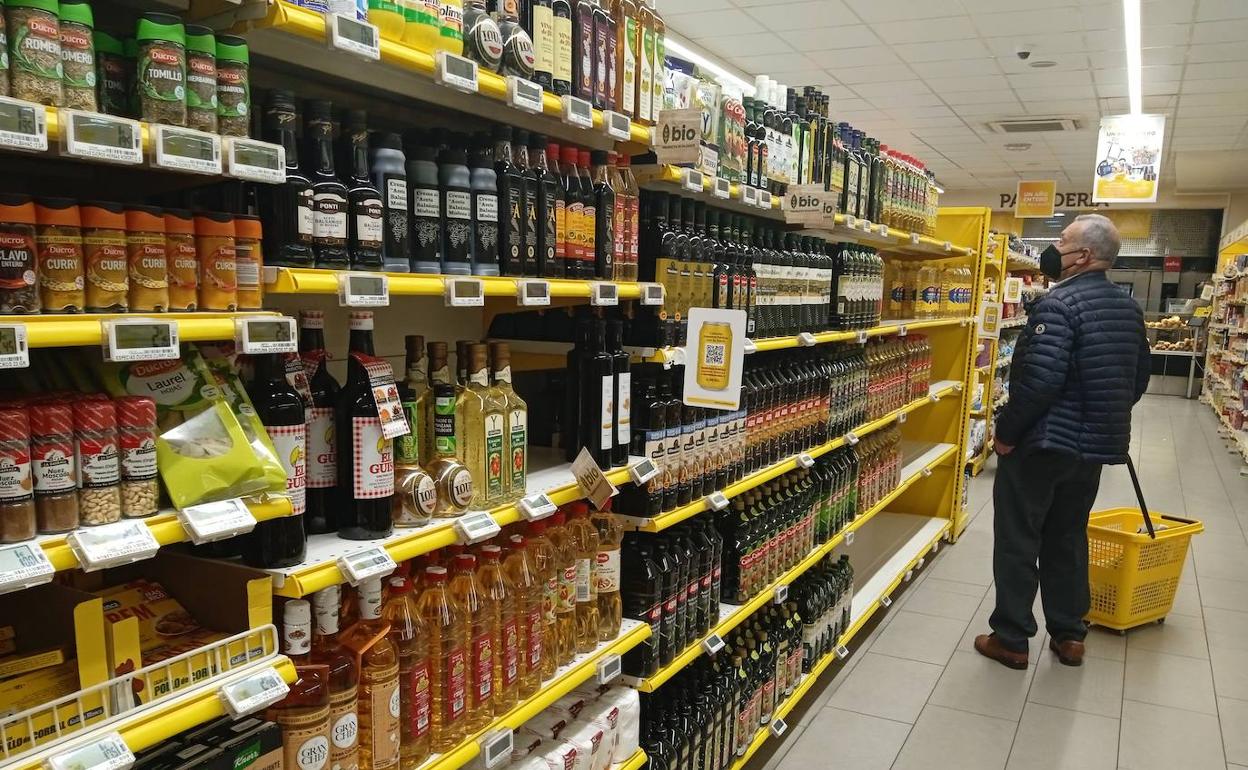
(851,221)
(849,537)
(750,346)
(532,293)
(255,161)
(92,136)
(851,438)
(208,522)
(266,334)
(908,576)
(496,747)
(716,501)
(903,417)
(902,331)
(371,562)
(764,199)
(927,472)
(919,564)
(948,246)
(722,188)
(804,460)
(609,668)
(749,195)
(842,651)
(476,526)
(933,397)
(140,339)
(914,239)
(363,290)
(524,95)
(455,72)
(23,565)
(886,601)
(861,338)
(782,594)
(691,180)
(712,644)
(537,506)
(604,294)
(617,126)
(112,544)
(806,340)
(882,230)
(185,149)
(14,351)
(577,112)
(652,294)
(107,752)
(643,471)
(253,692)
(348,34)
(27,125)
(778,727)
(464,292)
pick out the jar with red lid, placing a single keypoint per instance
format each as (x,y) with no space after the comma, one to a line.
(54,467)
(99,466)
(17,503)
(136,432)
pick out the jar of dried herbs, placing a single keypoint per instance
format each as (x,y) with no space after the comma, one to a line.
(77,56)
(58,239)
(112,75)
(160,77)
(54,467)
(218,268)
(147,258)
(17,502)
(136,429)
(183,260)
(233,86)
(104,242)
(4,54)
(99,462)
(34,31)
(201,78)
(19,266)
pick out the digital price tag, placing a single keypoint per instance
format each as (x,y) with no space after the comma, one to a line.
(266,334)
(957,387)
(253,692)
(643,471)
(23,565)
(577,112)
(806,339)
(722,188)
(537,506)
(935,547)
(603,293)
(363,290)
(749,195)
(366,563)
(349,34)
(107,752)
(886,601)
(712,644)
(255,161)
(861,338)
(851,438)
(524,95)
(23,125)
(902,331)
(805,461)
(926,472)
(93,136)
(617,125)
(496,747)
(764,199)
(903,417)
(864,225)
(851,221)
(476,526)
(782,594)
(948,246)
(716,501)
(14,352)
(691,180)
(849,537)
(608,669)
(140,339)
(112,544)
(914,239)
(531,293)
(842,651)
(652,294)
(455,72)
(778,727)
(882,230)
(907,577)
(208,522)
(464,292)
(184,149)
(750,346)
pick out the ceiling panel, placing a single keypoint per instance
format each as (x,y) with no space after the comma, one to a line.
(1034,22)
(844,58)
(826,38)
(947,50)
(882,73)
(925,31)
(717,23)
(874,11)
(788,16)
(1220,31)
(756,42)
(1221,10)
(972,83)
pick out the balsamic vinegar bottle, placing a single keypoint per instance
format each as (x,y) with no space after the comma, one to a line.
(549,206)
(280,542)
(623,392)
(455,183)
(366,456)
(604,216)
(531,194)
(596,370)
(510,181)
(286,208)
(329,196)
(583,50)
(485,218)
(365,222)
(322,513)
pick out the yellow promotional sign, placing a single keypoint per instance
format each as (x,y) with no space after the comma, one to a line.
(1128,159)
(1035,199)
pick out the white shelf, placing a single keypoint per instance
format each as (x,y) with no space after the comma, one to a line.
(897,541)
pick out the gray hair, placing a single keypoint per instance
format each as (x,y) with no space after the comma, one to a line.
(1100,236)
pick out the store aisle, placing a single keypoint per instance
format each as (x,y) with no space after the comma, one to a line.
(915,694)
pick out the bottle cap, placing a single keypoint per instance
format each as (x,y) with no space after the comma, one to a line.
(136,412)
(360,320)
(465,561)
(435,574)
(94,415)
(536,528)
(491,552)
(179,221)
(519,541)
(103,215)
(145,219)
(14,425)
(400,585)
(51,419)
(311,319)
(297,611)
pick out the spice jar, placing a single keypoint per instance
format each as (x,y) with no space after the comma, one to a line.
(77,56)
(182,259)
(58,239)
(104,243)
(136,427)
(17,504)
(99,468)
(201,78)
(54,467)
(112,75)
(34,32)
(249,260)
(4,54)
(218,270)
(19,266)
(160,77)
(148,263)
(233,86)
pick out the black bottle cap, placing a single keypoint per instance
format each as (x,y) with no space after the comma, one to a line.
(538,142)
(502,133)
(598,157)
(386,140)
(522,136)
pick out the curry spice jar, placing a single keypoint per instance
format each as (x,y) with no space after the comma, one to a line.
(201,78)
(54,467)
(183,260)
(218,267)
(249,261)
(34,32)
(17,503)
(19,265)
(233,86)
(58,239)
(160,77)
(148,261)
(136,428)
(104,240)
(99,466)
(77,56)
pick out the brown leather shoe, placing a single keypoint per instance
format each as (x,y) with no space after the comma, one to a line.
(990,647)
(1069,652)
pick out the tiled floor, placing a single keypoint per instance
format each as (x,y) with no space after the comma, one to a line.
(915,694)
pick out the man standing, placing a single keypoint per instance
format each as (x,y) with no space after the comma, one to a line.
(1079,367)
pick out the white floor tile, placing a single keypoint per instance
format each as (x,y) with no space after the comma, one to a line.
(855,740)
(1179,635)
(891,688)
(1169,680)
(1093,688)
(915,636)
(945,738)
(974,683)
(1056,739)
(1159,738)
(1234,716)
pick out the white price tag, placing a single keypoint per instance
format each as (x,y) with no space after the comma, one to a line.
(907,577)
(476,526)
(363,290)
(851,222)
(749,195)
(366,563)
(455,72)
(782,594)
(948,246)
(266,334)
(94,136)
(608,669)
(778,727)
(184,149)
(805,461)
(253,692)
(496,747)
(643,471)
(464,292)
(712,644)
(255,161)
(882,229)
(24,125)
(919,564)
(842,651)
(23,565)
(140,339)
(112,544)
(577,112)
(926,472)
(806,339)
(691,180)
(886,601)
(750,346)
(861,338)
(652,294)
(532,293)
(903,417)
(604,293)
(14,352)
(935,547)
(849,537)
(347,33)
(851,438)
(914,239)
(537,506)
(617,126)
(524,94)
(864,225)
(902,331)
(722,189)
(107,752)
(764,199)
(716,501)
(207,522)
(933,397)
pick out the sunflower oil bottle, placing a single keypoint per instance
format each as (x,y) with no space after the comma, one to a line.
(527,591)
(421,24)
(468,599)
(448,660)
(565,607)
(545,566)
(407,631)
(584,540)
(379,699)
(504,630)
(607,571)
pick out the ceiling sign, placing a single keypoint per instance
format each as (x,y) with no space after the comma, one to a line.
(1128,159)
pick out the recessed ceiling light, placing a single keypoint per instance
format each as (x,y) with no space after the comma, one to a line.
(1042,64)
(1018,146)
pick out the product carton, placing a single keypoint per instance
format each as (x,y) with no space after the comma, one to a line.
(732,139)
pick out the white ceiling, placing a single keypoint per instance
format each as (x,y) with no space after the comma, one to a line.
(927,75)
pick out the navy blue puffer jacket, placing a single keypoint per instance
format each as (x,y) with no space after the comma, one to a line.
(1079,367)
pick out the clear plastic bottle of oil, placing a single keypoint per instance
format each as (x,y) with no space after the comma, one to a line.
(468,598)
(448,658)
(584,540)
(545,564)
(379,703)
(526,592)
(500,607)
(607,571)
(407,631)
(565,570)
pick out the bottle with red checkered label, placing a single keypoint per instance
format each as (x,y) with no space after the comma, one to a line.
(279,542)
(365,455)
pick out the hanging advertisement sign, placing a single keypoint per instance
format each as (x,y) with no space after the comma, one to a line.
(715,358)
(1035,199)
(1128,159)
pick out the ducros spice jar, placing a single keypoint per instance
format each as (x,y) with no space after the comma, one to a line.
(4,54)
(136,428)
(58,239)
(233,86)
(104,243)
(147,258)
(182,259)
(54,467)
(201,78)
(17,503)
(112,74)
(249,260)
(19,265)
(99,466)
(34,32)
(77,56)
(160,77)
(218,268)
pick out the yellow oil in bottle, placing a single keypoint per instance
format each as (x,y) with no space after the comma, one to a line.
(448,661)
(584,540)
(468,599)
(379,700)
(408,633)
(422,26)
(607,572)
(526,592)
(545,567)
(504,629)
(565,606)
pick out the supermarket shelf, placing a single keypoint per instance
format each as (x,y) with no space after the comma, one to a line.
(298,280)
(1000,363)
(634,762)
(1015,322)
(888,239)
(547,473)
(672,518)
(977,464)
(1017,263)
(663,177)
(68,330)
(1191,354)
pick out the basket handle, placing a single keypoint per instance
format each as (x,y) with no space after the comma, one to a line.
(1139,495)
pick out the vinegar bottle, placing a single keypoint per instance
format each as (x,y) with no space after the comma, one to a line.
(379,702)
(469,601)
(448,642)
(607,571)
(408,633)
(584,540)
(527,595)
(565,569)
(545,564)
(500,607)
(344,722)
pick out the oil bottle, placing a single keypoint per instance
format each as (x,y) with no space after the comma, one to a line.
(545,564)
(584,542)
(500,609)
(303,714)
(327,650)
(407,632)
(527,595)
(607,571)
(379,700)
(448,660)
(469,601)
(565,607)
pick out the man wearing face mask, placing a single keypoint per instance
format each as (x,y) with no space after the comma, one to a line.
(1079,366)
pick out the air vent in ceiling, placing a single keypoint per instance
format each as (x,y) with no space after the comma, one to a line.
(1033,125)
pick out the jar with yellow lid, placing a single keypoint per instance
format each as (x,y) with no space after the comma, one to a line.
(147,259)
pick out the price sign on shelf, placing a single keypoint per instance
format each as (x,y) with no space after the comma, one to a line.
(782,594)
(107,752)
(496,747)
(23,125)
(849,537)
(537,506)
(455,72)
(751,347)
(476,526)
(608,669)
(532,293)
(914,239)
(183,149)
(806,339)
(265,334)
(23,565)
(778,727)
(643,471)
(652,294)
(208,522)
(604,293)
(363,290)
(255,161)
(93,136)
(253,692)
(14,352)
(366,563)
(577,112)
(346,33)
(713,644)
(112,544)
(140,339)
(842,651)
(749,195)
(716,501)
(591,481)
(722,188)
(617,126)
(692,180)
(465,292)
(524,94)
(764,199)
(886,601)
(805,461)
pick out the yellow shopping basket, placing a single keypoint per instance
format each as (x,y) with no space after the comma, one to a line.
(1133,575)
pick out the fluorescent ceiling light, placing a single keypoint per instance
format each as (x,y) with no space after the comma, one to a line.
(1131,23)
(677,48)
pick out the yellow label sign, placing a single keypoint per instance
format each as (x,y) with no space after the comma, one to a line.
(1202,312)
(1035,199)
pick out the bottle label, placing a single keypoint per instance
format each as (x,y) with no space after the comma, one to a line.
(585,63)
(290,441)
(444,422)
(419,697)
(305,216)
(407,448)
(305,737)
(344,729)
(563,48)
(52,464)
(568,588)
(589,214)
(456,685)
(584,581)
(511,652)
(322,451)
(385,705)
(645,88)
(97,461)
(607,571)
(461,488)
(458,224)
(425,203)
(550,598)
(534,622)
(373,458)
(494,456)
(607,418)
(515,219)
(517,425)
(397,227)
(544,39)
(459,205)
(329,221)
(628,95)
(482,668)
(369,223)
(486,233)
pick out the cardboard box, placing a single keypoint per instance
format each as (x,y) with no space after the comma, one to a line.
(259,747)
(25,662)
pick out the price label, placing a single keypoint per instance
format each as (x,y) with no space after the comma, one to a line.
(183,149)
(603,293)
(861,338)
(935,547)
(882,230)
(886,601)
(577,112)
(849,537)
(842,651)
(782,594)
(933,397)
(455,72)
(712,644)
(764,199)
(608,669)
(23,565)
(537,506)
(347,33)
(722,189)
(716,501)
(107,752)
(531,293)
(255,161)
(363,290)
(14,352)
(464,292)
(914,239)
(266,334)
(749,195)
(902,331)
(476,526)
(208,522)
(851,222)
(692,180)
(806,339)
(23,125)
(140,339)
(919,564)
(864,225)
(948,246)
(93,136)
(617,126)
(678,137)
(524,94)
(778,727)
(750,346)
(496,747)
(851,438)
(254,692)
(643,471)
(366,563)
(926,472)
(907,577)
(652,294)
(805,461)
(112,544)
(903,417)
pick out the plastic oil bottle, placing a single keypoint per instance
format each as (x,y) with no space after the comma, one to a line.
(451,27)
(328,651)
(448,659)
(565,607)
(545,566)
(378,659)
(422,27)
(526,597)
(469,601)
(607,571)
(504,630)
(585,552)
(407,631)
(388,16)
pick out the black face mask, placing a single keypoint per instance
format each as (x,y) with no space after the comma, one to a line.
(1051,261)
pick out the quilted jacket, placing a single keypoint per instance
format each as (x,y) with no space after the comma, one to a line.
(1079,366)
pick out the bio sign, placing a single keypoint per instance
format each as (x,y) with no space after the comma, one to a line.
(678,137)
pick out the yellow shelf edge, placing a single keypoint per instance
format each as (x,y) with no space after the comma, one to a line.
(301,280)
(74,329)
(634,762)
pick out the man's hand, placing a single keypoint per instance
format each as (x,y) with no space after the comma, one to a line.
(1001,449)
